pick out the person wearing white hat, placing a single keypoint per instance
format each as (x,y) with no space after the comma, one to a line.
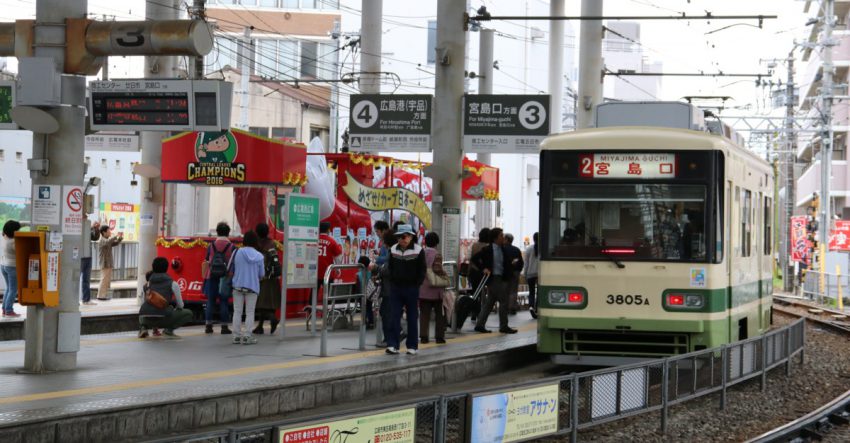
(406,272)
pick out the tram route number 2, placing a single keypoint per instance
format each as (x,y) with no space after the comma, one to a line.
(620,299)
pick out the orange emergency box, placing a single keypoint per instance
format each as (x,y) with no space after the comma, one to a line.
(38,270)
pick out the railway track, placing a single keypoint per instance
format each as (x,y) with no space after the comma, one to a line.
(819,424)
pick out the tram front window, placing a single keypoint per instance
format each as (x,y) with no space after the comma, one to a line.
(663,222)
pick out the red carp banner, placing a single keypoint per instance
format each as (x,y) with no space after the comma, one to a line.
(480,181)
(799,240)
(839,236)
(232,158)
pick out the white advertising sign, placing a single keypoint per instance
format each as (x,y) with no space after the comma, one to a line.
(626,165)
(52,283)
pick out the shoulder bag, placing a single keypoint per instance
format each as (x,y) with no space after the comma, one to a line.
(155,299)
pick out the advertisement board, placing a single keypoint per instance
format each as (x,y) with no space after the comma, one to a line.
(518,415)
(397,426)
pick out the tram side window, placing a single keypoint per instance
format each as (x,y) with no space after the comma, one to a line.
(768,225)
(746,222)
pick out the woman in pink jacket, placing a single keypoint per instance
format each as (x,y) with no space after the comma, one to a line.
(431,297)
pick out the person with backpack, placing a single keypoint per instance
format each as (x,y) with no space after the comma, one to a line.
(430,296)
(269,299)
(248,270)
(170,316)
(215,269)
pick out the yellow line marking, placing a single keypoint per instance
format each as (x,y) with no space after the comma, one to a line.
(229,372)
(110,341)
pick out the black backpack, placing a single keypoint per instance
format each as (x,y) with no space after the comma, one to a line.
(272,262)
(218,263)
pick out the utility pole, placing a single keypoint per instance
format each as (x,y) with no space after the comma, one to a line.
(483,214)
(790,195)
(590,67)
(246,58)
(200,13)
(371,32)
(446,140)
(334,129)
(826,139)
(156,66)
(556,65)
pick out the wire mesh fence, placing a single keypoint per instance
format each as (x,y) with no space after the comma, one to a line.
(583,400)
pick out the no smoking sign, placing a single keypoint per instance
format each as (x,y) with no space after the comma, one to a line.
(72,210)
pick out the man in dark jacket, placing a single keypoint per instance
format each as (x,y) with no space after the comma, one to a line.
(85,265)
(406,268)
(514,256)
(495,262)
(167,318)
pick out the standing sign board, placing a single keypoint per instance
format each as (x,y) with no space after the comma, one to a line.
(451,234)
(300,246)
(505,123)
(390,123)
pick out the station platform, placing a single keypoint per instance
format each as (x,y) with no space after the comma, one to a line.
(117,314)
(126,388)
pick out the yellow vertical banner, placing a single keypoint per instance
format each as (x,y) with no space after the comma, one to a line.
(838,283)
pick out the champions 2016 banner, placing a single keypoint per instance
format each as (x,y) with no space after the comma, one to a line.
(232,158)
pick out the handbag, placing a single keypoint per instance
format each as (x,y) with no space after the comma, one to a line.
(155,299)
(436,280)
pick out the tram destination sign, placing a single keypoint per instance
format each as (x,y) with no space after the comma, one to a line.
(627,165)
(395,123)
(505,123)
(160,105)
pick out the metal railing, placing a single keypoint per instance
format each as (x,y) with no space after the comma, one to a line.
(331,296)
(835,287)
(125,258)
(592,398)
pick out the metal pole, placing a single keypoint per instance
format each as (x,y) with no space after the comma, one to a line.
(64,152)
(363,296)
(574,409)
(590,69)
(763,342)
(556,65)
(665,393)
(371,31)
(724,374)
(826,94)
(446,138)
(151,189)
(247,57)
(483,208)
(284,264)
(334,103)
(199,8)
(790,181)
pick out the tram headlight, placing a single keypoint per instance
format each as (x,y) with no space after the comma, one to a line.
(567,297)
(684,301)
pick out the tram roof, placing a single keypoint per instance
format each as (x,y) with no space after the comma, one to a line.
(642,137)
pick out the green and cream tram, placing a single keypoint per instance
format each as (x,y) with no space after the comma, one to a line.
(655,240)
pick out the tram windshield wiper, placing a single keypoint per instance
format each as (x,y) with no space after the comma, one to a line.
(611,254)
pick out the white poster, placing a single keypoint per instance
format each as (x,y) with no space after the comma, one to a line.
(45,204)
(450,237)
(52,283)
(72,210)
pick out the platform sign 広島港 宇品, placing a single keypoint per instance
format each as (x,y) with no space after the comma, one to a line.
(390,122)
(505,123)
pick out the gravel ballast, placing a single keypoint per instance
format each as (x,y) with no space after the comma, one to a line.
(749,412)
